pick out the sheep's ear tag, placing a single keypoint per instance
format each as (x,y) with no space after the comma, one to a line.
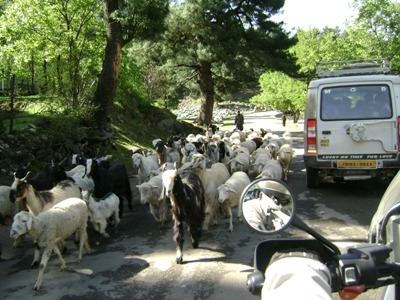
(29,223)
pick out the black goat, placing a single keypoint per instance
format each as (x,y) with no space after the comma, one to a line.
(112,179)
(187,196)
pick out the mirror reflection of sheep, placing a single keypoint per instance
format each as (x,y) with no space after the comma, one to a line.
(48,228)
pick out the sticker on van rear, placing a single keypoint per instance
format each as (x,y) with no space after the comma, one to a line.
(324,143)
(356,156)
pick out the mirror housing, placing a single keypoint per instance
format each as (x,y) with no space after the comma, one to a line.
(268,205)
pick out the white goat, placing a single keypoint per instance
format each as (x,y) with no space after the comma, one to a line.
(52,226)
(102,209)
(165,153)
(39,201)
(230,192)
(145,166)
(150,192)
(285,156)
(211,178)
(272,169)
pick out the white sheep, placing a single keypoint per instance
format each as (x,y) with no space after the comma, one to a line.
(250,145)
(150,193)
(259,151)
(260,162)
(7,208)
(52,226)
(240,162)
(39,201)
(287,136)
(145,166)
(102,209)
(273,146)
(272,169)
(211,178)
(285,156)
(230,192)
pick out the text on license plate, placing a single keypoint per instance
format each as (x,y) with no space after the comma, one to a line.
(356,164)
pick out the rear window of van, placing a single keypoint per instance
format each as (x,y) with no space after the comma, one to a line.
(356,103)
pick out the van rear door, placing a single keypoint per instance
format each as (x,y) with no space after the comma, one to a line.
(357,123)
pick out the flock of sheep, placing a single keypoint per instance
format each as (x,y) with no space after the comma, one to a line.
(224,162)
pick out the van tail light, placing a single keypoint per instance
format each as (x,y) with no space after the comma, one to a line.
(398,133)
(312,136)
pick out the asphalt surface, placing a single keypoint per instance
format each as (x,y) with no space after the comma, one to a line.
(138,260)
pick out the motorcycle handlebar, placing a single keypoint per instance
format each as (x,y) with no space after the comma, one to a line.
(364,265)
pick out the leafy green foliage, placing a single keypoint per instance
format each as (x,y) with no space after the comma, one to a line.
(281,92)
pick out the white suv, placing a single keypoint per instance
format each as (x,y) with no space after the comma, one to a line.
(351,123)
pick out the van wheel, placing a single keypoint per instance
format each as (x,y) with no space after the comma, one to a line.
(312,178)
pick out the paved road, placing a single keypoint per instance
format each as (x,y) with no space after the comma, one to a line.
(138,261)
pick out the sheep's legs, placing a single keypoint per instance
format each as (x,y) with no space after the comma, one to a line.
(83,242)
(42,267)
(230,219)
(239,213)
(102,228)
(152,211)
(62,261)
(209,213)
(36,256)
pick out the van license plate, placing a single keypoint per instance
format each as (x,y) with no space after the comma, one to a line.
(370,164)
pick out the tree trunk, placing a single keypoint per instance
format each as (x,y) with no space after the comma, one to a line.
(108,80)
(12,96)
(206,84)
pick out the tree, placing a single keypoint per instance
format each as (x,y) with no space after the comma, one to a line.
(376,29)
(224,44)
(124,21)
(54,42)
(281,92)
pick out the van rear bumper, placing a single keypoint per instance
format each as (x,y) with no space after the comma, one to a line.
(312,162)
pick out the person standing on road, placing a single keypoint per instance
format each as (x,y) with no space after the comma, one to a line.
(239,121)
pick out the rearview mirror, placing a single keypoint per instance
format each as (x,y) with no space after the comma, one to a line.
(267,205)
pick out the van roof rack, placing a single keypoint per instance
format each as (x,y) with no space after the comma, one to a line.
(354,67)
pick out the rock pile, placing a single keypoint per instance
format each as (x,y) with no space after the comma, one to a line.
(189,110)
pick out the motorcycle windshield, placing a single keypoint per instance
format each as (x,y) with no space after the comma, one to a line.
(389,199)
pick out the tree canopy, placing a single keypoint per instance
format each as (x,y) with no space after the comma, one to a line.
(223,46)
(209,49)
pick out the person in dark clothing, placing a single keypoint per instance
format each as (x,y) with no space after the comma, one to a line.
(239,121)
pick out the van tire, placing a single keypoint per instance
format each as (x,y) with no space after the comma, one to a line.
(312,178)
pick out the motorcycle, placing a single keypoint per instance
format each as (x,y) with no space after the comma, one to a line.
(269,207)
